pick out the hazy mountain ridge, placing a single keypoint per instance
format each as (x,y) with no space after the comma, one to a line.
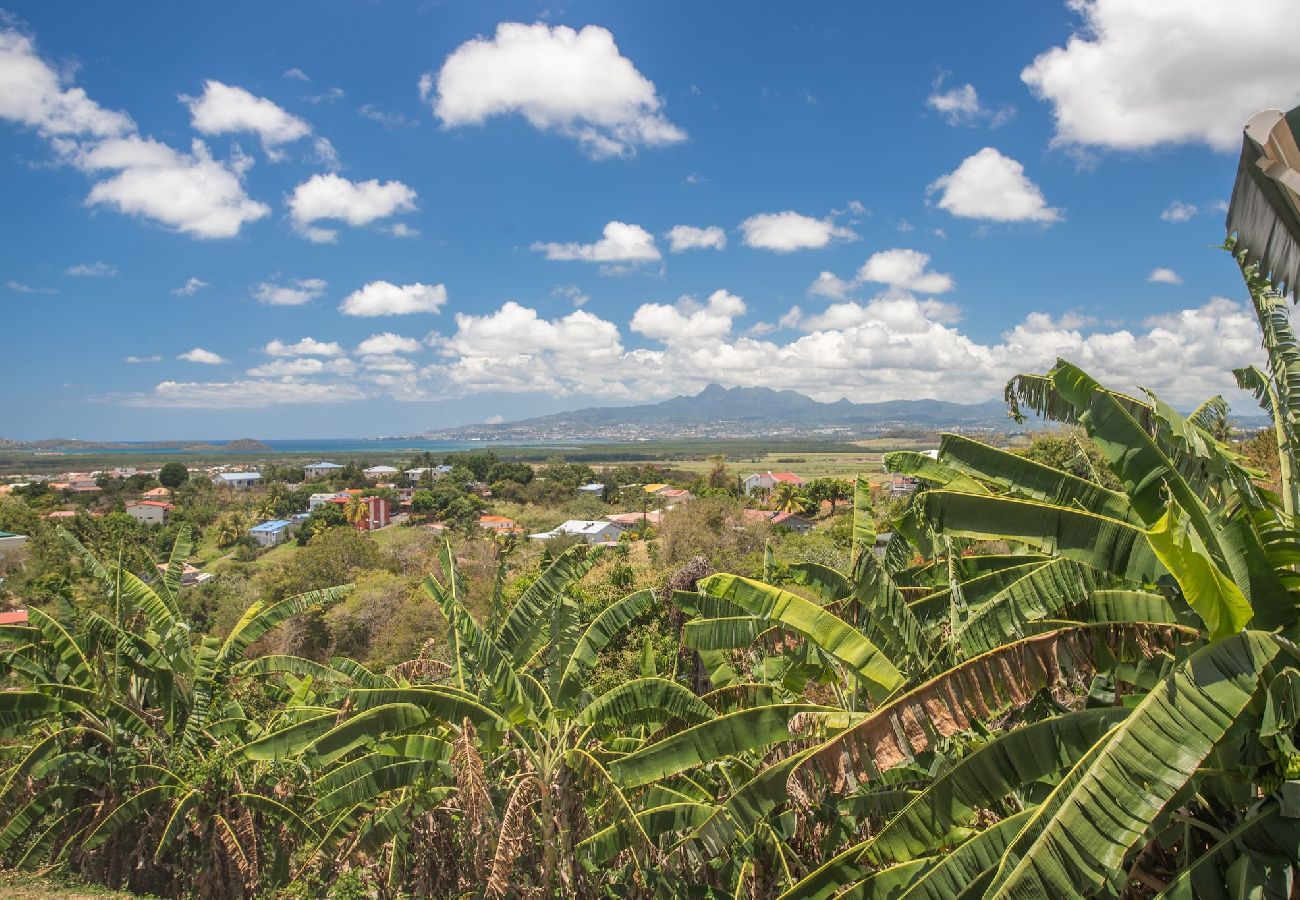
(744,411)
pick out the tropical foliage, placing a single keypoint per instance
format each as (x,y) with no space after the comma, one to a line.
(1043,683)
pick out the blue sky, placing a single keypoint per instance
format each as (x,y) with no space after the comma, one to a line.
(306,219)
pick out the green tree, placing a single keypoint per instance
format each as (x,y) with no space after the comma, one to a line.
(173,475)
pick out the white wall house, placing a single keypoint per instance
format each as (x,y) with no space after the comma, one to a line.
(240,481)
(764,482)
(320,469)
(380,472)
(316,500)
(271,533)
(589,531)
(150,512)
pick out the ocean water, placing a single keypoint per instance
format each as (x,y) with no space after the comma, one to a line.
(324,447)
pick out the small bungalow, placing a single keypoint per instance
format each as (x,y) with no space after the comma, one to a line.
(271,533)
(587,530)
(320,469)
(239,481)
(500,524)
(654,489)
(676,495)
(150,512)
(13,617)
(380,471)
(594,489)
(792,521)
(158,493)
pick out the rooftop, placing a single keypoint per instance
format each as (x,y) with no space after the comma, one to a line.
(272,525)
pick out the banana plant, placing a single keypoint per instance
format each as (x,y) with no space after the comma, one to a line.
(122,768)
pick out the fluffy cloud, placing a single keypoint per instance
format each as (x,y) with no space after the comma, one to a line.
(688,237)
(1178,212)
(191,193)
(92,270)
(302,366)
(32,94)
(620,242)
(306,347)
(899,268)
(994,187)
(304,290)
(1136,75)
(788,231)
(382,298)
(253,394)
(687,321)
(354,202)
(1164,276)
(905,269)
(188,192)
(961,106)
(206,357)
(191,287)
(828,284)
(224,109)
(296,74)
(891,347)
(576,83)
(387,344)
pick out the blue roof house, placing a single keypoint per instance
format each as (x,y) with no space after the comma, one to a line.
(271,533)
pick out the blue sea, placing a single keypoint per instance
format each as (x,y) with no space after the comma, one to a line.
(325,447)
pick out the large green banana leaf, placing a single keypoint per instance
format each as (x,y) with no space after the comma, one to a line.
(1105,544)
(1092,820)
(827,631)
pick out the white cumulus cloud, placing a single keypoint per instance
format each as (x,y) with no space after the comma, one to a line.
(387,344)
(687,321)
(619,242)
(226,109)
(191,193)
(305,347)
(382,298)
(961,106)
(992,187)
(1178,212)
(787,231)
(253,394)
(333,197)
(1136,75)
(576,83)
(296,293)
(199,355)
(1164,276)
(689,237)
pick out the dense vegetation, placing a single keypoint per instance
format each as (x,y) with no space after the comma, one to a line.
(1068,672)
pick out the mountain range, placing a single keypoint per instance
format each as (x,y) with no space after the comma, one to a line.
(717,411)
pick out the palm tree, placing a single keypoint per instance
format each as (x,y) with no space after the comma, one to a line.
(787,498)
(357,511)
(230,528)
